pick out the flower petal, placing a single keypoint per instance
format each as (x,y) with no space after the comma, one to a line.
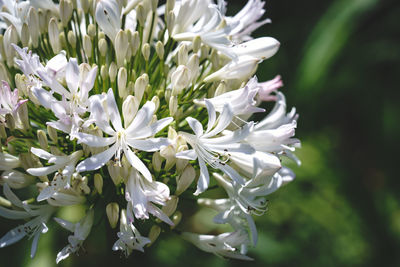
(96,161)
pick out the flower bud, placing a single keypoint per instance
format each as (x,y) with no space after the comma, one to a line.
(10,37)
(140,85)
(170,206)
(204,52)
(121,47)
(3,133)
(112,72)
(196,44)
(104,72)
(141,15)
(85,4)
(170,22)
(91,30)
(122,78)
(10,122)
(87,46)
(135,42)
(160,50)
(63,40)
(157,161)
(33,26)
(193,65)
(182,55)
(103,47)
(98,183)
(214,59)
(169,6)
(54,36)
(43,22)
(112,210)
(156,102)
(154,233)
(66,9)
(52,133)
(146,51)
(71,39)
(173,105)
(220,89)
(23,115)
(42,138)
(25,35)
(129,109)
(184,180)
(180,79)
(176,219)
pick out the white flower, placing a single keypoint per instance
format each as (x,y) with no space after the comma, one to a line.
(213,150)
(268,87)
(241,100)
(274,133)
(9,101)
(64,164)
(8,161)
(129,237)
(224,245)
(260,48)
(136,135)
(142,194)
(39,215)
(81,231)
(246,21)
(108,17)
(16,179)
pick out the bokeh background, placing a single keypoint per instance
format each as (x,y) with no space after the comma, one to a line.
(339,60)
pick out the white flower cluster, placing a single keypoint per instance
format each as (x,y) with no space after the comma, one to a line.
(130,102)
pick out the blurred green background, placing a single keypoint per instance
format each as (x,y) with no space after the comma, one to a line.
(340,65)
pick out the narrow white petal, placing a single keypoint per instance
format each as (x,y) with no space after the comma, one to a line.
(149,145)
(204,178)
(138,164)
(187,154)
(94,141)
(72,75)
(96,161)
(113,111)
(66,224)
(223,121)
(195,125)
(142,119)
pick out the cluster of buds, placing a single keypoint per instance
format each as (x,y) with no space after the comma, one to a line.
(125,107)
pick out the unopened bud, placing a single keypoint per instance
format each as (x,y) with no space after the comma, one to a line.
(98,183)
(154,233)
(112,72)
(196,44)
(157,161)
(141,14)
(10,122)
(54,36)
(170,22)
(66,9)
(170,206)
(52,133)
(184,180)
(43,22)
(112,210)
(135,42)
(220,89)
(180,79)
(215,59)
(33,26)
(140,86)
(103,47)
(193,65)
(25,35)
(122,78)
(204,52)
(169,6)
(176,219)
(16,179)
(156,102)
(72,39)
(42,138)
(182,55)
(91,31)
(85,5)
(173,105)
(10,37)
(129,109)
(3,133)
(146,51)
(160,50)
(87,46)
(115,173)
(104,72)
(121,46)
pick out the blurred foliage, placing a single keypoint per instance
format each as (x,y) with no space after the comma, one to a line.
(340,64)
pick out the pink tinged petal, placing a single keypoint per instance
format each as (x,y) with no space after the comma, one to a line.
(12,236)
(149,145)
(224,119)
(113,111)
(96,161)
(72,75)
(138,164)
(187,154)
(204,179)
(45,98)
(195,125)
(56,65)
(94,141)
(142,119)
